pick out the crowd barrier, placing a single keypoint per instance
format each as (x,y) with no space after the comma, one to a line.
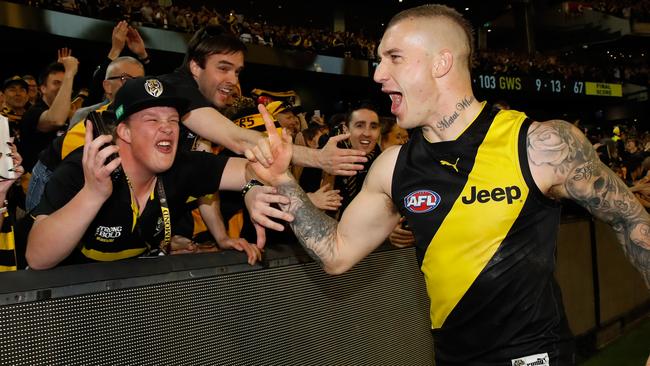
(215,309)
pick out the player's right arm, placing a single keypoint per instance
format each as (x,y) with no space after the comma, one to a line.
(364,225)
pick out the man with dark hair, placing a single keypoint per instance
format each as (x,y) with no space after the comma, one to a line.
(479,188)
(48,117)
(209,75)
(130,215)
(362,124)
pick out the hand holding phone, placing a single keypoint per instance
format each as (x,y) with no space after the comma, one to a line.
(101,127)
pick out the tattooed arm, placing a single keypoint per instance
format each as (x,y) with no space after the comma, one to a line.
(365,224)
(565,165)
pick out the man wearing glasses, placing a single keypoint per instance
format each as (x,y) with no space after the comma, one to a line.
(118,71)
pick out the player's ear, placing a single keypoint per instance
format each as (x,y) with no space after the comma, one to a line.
(442,63)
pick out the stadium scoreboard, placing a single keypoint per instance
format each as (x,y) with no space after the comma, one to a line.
(545,85)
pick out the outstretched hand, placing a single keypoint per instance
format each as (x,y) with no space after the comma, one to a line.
(271,157)
(337,161)
(325,198)
(258,202)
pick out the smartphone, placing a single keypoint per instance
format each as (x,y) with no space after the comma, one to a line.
(102,125)
(317,113)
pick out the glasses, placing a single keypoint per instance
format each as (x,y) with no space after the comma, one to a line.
(123,78)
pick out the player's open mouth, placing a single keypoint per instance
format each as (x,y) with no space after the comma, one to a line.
(396,99)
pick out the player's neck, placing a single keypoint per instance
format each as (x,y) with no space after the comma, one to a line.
(452,117)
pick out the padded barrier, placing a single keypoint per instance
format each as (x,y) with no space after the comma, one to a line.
(290,313)
(209,309)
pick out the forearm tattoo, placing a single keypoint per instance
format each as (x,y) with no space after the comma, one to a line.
(594,186)
(316,231)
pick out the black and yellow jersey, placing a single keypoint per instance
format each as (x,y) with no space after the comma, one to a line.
(485,238)
(121,229)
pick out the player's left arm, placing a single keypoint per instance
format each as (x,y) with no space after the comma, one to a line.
(565,165)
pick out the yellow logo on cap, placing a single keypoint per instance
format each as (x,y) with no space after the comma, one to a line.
(154,87)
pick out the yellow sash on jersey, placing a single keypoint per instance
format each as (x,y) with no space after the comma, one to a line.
(465,241)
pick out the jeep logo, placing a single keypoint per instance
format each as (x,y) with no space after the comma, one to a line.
(497,194)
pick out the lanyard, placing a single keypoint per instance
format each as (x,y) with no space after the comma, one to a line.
(164,208)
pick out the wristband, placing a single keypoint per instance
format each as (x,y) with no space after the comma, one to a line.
(145,60)
(251,183)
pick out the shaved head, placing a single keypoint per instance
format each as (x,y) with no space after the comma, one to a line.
(443,29)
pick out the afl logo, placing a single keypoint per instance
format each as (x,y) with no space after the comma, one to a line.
(422,201)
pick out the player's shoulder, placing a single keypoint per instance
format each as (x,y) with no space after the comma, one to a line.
(389,155)
(555,127)
(380,175)
(551,137)
(555,149)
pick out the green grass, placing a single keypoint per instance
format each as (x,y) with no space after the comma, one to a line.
(632,349)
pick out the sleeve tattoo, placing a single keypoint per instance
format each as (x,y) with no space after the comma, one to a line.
(591,184)
(315,231)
